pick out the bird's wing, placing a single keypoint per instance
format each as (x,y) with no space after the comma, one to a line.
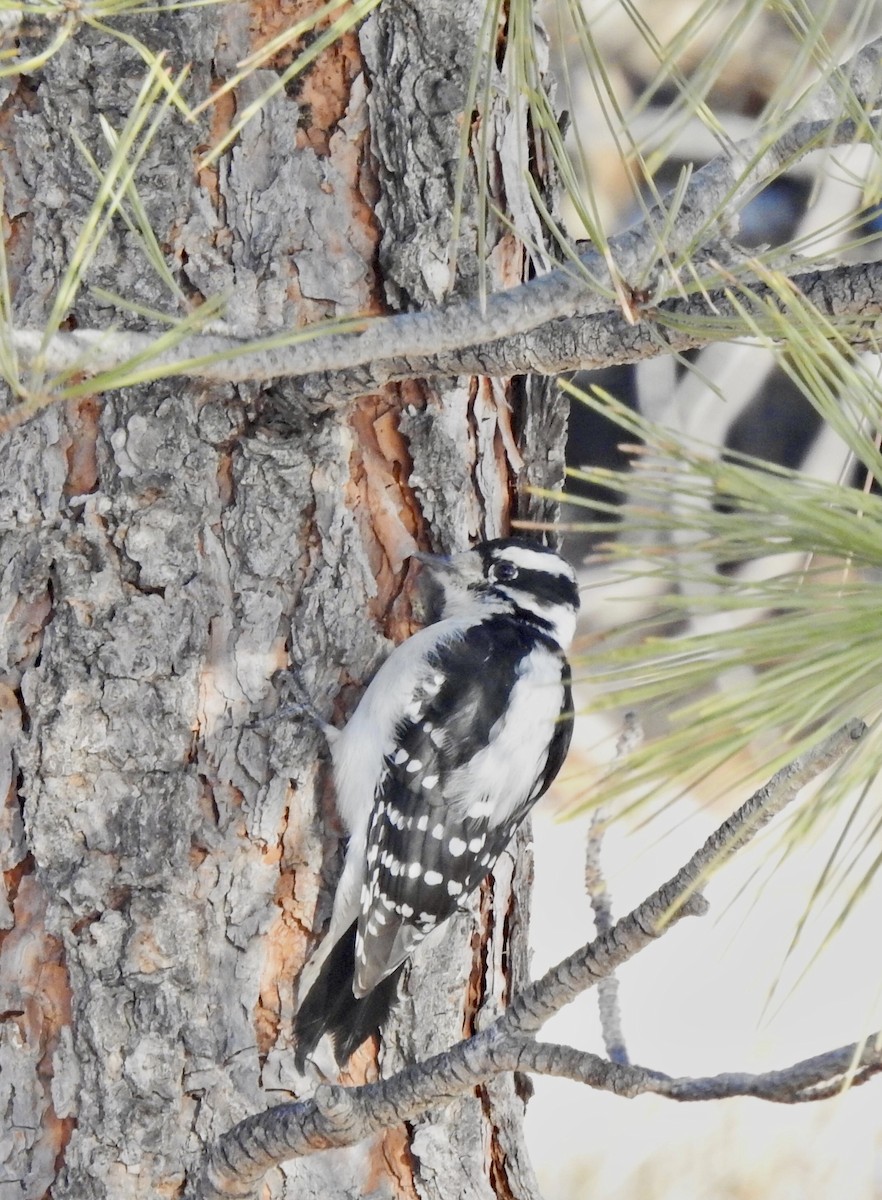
(481,739)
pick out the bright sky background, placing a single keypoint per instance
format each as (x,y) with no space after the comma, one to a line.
(695,1003)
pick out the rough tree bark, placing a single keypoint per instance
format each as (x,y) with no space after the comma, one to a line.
(168,849)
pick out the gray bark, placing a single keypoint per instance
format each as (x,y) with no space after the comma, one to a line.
(168,849)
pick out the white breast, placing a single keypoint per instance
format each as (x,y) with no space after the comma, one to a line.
(502,776)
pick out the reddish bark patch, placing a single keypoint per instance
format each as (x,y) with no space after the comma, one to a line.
(499,1183)
(390,518)
(390,1161)
(223,114)
(225,481)
(507,258)
(476,989)
(323,87)
(267,1011)
(362,1066)
(17,234)
(285,949)
(269,18)
(81,448)
(324,93)
(34,980)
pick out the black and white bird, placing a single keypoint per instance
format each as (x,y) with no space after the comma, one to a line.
(460,732)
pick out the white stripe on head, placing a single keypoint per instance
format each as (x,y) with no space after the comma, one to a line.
(535,560)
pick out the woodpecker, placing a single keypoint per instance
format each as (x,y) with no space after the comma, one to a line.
(457,736)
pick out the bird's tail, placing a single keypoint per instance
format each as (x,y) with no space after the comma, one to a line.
(331,1007)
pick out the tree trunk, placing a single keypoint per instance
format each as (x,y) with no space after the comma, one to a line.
(169,847)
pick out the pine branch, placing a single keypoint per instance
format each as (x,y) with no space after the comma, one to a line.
(339,1116)
(550,314)
(850,295)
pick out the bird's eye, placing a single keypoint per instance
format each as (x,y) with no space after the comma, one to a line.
(503,572)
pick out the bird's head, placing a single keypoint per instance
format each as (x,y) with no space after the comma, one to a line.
(507,575)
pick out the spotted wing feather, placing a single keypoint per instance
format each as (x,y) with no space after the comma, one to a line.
(430,841)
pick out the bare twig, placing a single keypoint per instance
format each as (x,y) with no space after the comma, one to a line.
(812,1079)
(601,904)
(338,1116)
